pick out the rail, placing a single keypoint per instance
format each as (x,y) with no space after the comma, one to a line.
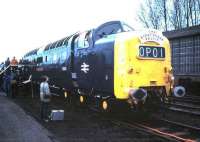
(153,131)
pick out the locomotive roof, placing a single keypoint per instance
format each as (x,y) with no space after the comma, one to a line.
(194,30)
(64,41)
(58,43)
(32,52)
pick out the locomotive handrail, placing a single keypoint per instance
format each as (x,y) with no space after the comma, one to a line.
(27,81)
(5,69)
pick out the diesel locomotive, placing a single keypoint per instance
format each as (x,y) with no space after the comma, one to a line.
(112,63)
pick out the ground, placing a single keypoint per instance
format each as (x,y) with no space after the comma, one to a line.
(20,122)
(17,126)
(81,124)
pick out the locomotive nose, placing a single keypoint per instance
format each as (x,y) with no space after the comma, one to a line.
(138,95)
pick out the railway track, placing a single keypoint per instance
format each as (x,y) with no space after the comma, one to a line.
(187,99)
(162,131)
(166,129)
(192,97)
(184,108)
(187,104)
(163,128)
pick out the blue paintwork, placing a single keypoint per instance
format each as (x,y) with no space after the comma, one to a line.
(87,57)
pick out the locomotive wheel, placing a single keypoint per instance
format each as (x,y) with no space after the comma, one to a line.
(82,100)
(105,105)
(66,95)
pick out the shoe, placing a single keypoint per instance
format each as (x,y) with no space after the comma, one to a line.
(46,120)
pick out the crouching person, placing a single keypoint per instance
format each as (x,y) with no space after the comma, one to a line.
(45,97)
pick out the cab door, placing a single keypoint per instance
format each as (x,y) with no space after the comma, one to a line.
(83,61)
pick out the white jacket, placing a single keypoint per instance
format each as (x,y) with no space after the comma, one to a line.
(44,89)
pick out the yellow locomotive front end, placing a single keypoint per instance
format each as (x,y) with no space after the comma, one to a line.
(142,66)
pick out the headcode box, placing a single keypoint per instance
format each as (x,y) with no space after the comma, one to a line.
(57,115)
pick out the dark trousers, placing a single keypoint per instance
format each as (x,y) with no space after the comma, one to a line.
(14,89)
(44,110)
(8,88)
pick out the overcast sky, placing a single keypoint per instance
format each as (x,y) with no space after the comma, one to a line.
(28,24)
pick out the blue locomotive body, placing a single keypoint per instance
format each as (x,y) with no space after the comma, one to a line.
(84,60)
(104,63)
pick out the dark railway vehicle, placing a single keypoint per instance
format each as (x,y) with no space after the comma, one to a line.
(185,45)
(112,63)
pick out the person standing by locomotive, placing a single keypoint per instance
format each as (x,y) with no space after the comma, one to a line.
(7,83)
(1,82)
(1,76)
(7,62)
(45,98)
(14,61)
(14,87)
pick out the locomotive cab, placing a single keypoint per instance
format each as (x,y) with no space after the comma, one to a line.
(94,58)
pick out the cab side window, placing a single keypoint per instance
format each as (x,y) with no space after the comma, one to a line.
(83,40)
(109,29)
(127,28)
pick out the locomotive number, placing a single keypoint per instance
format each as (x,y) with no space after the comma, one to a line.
(151,52)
